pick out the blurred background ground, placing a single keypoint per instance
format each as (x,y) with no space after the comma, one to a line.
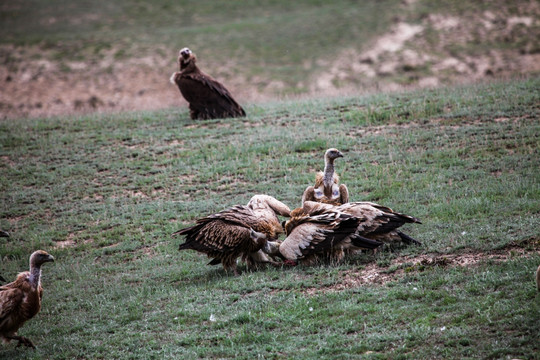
(61,57)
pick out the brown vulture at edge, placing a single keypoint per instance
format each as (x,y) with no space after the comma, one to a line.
(327,188)
(239,231)
(21,300)
(207,98)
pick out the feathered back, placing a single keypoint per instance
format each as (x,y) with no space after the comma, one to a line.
(320,231)
(237,231)
(377,221)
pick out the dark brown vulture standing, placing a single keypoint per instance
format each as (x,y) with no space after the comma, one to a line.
(327,189)
(21,300)
(240,231)
(207,98)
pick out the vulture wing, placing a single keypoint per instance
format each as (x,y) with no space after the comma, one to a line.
(379,221)
(10,300)
(219,232)
(317,234)
(216,236)
(343,194)
(208,99)
(264,204)
(309,194)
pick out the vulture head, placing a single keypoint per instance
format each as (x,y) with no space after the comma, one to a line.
(39,258)
(272,247)
(332,154)
(185,57)
(257,237)
(185,52)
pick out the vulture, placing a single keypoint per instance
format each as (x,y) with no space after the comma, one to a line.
(207,98)
(378,222)
(21,300)
(239,231)
(319,228)
(327,189)
(320,232)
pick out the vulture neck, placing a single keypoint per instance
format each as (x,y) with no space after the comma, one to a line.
(328,177)
(188,66)
(35,275)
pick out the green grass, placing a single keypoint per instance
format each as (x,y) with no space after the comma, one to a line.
(464,160)
(281,40)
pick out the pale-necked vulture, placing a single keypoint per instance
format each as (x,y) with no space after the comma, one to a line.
(239,231)
(327,189)
(207,98)
(21,300)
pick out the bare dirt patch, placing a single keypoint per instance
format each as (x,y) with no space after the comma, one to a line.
(469,48)
(371,273)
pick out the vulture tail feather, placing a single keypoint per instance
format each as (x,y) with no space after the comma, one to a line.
(407,239)
(363,242)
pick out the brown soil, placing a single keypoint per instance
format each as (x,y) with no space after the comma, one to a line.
(371,273)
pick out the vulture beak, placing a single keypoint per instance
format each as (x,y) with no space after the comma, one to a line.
(340,154)
(50,258)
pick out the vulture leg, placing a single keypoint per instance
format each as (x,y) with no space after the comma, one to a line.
(22,341)
(230,265)
(193,112)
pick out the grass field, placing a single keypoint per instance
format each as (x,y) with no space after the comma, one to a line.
(103,193)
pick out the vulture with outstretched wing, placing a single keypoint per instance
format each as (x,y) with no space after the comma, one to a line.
(310,235)
(378,222)
(319,228)
(240,231)
(207,98)
(21,300)
(327,188)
